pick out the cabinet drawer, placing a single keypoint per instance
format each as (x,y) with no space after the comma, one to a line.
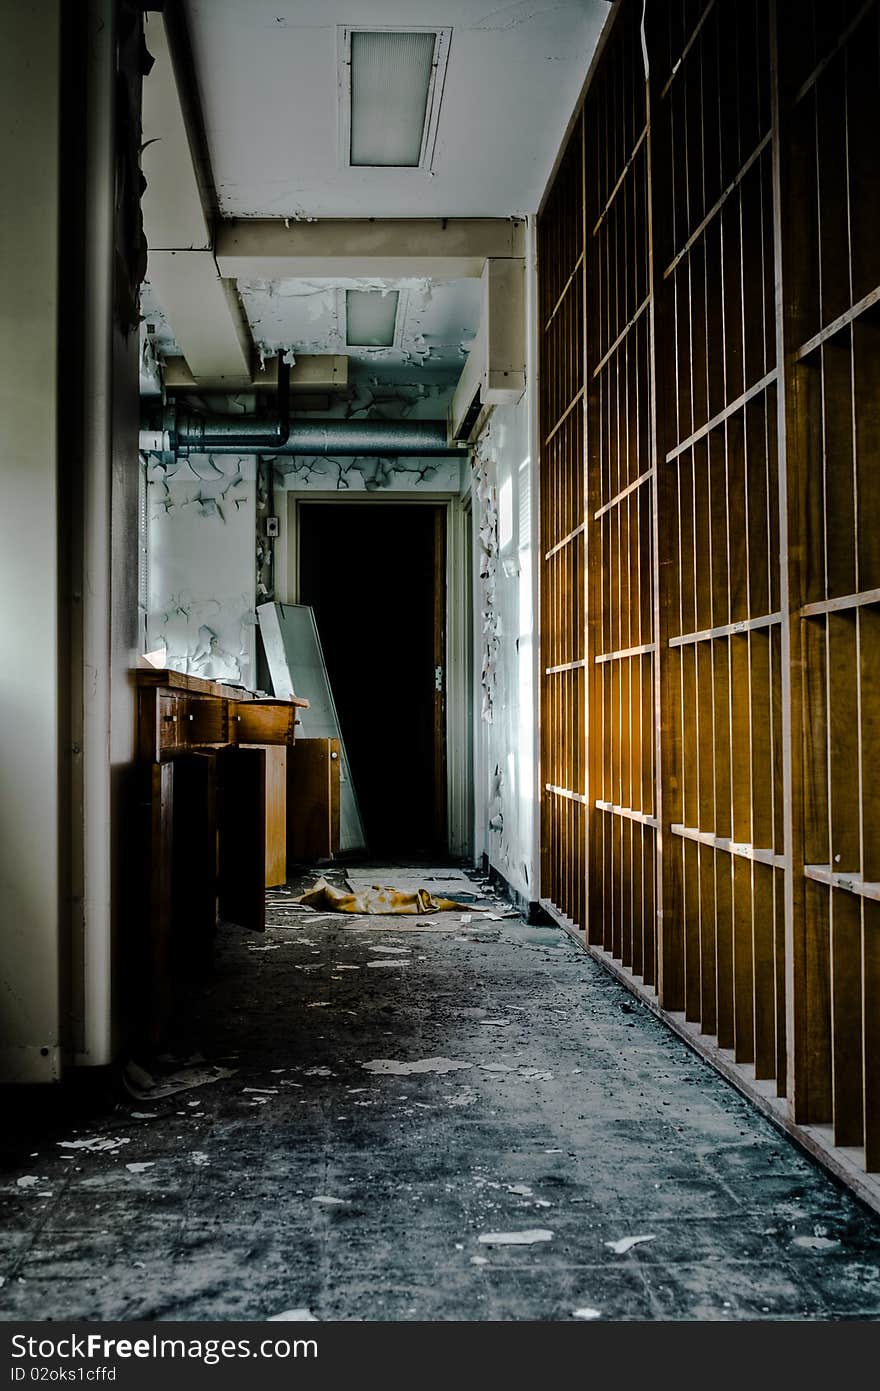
(265,722)
(207,721)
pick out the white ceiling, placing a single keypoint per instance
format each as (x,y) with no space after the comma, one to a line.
(436,322)
(268,86)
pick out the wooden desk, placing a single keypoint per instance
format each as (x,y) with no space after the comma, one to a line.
(202,749)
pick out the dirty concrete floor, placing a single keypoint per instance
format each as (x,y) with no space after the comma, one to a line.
(308,1179)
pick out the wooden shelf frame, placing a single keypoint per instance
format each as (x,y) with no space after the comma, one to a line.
(710,629)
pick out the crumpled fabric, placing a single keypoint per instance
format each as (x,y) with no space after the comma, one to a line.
(378,900)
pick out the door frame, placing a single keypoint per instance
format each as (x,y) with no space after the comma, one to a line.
(457,724)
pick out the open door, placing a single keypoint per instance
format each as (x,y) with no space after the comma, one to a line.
(375,574)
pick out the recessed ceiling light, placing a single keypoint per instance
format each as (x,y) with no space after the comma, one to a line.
(370,318)
(391,83)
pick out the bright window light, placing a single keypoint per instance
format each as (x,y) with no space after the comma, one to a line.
(390,85)
(505,514)
(370,318)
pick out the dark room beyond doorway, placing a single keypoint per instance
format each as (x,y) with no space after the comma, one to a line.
(375,575)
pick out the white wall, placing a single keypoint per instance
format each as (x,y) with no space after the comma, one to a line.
(29,522)
(201,565)
(505,717)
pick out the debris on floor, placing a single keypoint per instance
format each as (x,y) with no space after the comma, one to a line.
(144,1087)
(379,899)
(326,1180)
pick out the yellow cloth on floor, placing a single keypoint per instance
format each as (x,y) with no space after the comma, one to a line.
(377,900)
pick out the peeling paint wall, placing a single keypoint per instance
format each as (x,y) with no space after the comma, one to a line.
(201,530)
(505,732)
(435,324)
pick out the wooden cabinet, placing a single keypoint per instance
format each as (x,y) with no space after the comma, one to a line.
(214,778)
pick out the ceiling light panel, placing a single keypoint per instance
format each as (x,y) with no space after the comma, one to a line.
(391,87)
(370,318)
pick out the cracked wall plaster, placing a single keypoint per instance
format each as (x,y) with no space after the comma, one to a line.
(200,536)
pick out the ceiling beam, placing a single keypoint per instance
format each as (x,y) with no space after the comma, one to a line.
(317,372)
(205,315)
(174,218)
(383,248)
(496,363)
(202,308)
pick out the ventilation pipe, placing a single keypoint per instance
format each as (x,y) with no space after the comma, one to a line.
(181,435)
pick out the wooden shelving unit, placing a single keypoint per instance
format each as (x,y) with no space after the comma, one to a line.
(710,282)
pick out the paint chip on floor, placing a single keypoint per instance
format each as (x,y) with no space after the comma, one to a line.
(392,1067)
(294,1316)
(327,1201)
(140,1166)
(815,1243)
(395,962)
(96,1144)
(526,1238)
(586,1313)
(626,1243)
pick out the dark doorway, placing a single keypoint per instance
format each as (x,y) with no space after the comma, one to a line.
(375,575)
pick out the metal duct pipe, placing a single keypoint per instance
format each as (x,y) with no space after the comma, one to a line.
(341,438)
(200,434)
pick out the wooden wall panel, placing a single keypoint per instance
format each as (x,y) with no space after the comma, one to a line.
(563,732)
(710,422)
